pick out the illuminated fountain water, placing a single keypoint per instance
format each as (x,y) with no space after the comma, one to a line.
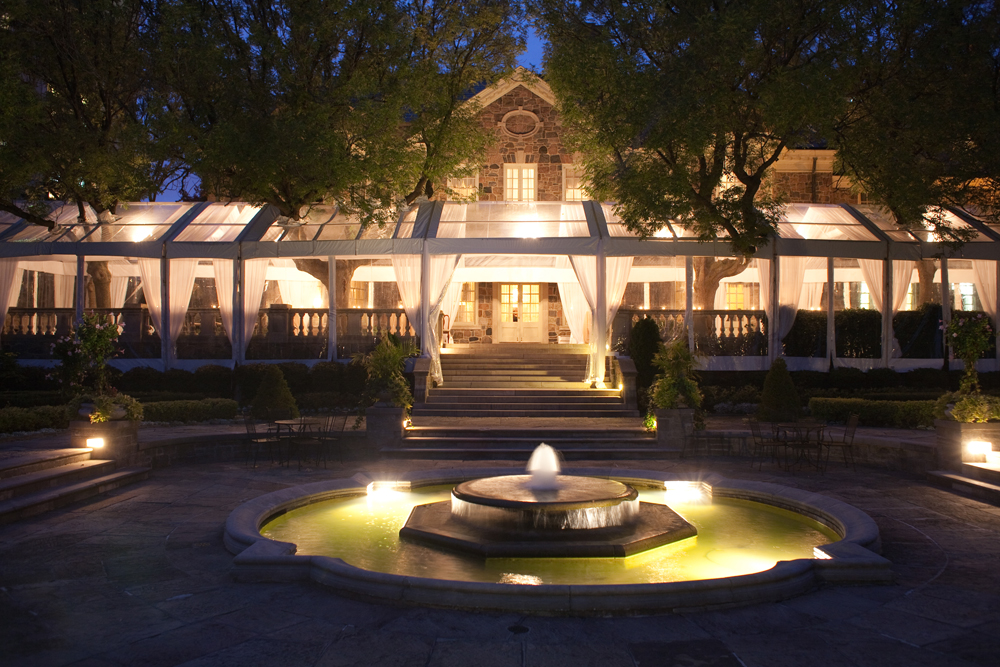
(544,513)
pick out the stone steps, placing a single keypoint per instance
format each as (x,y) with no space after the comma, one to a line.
(512,453)
(22,485)
(555,410)
(42,481)
(984,491)
(536,434)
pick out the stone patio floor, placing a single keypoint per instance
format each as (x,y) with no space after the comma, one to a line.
(140,577)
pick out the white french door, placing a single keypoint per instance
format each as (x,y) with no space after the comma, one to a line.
(520,310)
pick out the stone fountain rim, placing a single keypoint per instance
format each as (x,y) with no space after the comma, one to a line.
(853,559)
(465,491)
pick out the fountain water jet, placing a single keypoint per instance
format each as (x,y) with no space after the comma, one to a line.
(545,514)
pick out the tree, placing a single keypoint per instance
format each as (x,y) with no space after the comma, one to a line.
(79,120)
(359,104)
(681,110)
(923,130)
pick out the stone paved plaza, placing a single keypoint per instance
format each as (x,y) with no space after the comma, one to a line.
(140,577)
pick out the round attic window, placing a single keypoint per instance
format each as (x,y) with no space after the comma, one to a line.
(520,124)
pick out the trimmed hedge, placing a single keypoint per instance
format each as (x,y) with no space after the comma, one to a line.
(190,411)
(892,414)
(33,419)
(30,399)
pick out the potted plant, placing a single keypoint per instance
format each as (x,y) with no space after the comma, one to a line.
(106,418)
(387,398)
(674,395)
(967,415)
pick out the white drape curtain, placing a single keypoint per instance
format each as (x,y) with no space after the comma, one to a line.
(441,270)
(902,272)
(182,273)
(223,269)
(985,278)
(63,288)
(585,268)
(254,277)
(790,281)
(576,312)
(871,271)
(407,270)
(617,271)
(119,290)
(10,286)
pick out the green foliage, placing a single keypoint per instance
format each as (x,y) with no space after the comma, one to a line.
(273,397)
(84,352)
(214,381)
(891,414)
(969,336)
(308,100)
(30,399)
(33,419)
(78,111)
(807,337)
(248,379)
(324,401)
(332,376)
(384,368)
(296,375)
(676,385)
(680,114)
(779,400)
(644,343)
(859,333)
(106,407)
(191,411)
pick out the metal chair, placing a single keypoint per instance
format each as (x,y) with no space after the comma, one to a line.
(845,443)
(762,444)
(321,442)
(694,439)
(256,439)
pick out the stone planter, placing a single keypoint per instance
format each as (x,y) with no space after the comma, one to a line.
(952,437)
(670,425)
(121,440)
(384,426)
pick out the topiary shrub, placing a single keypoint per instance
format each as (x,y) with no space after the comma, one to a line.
(676,385)
(296,375)
(779,400)
(273,399)
(644,342)
(248,379)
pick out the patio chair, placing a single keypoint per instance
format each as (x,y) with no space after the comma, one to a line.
(764,443)
(845,443)
(317,445)
(694,439)
(259,437)
(331,435)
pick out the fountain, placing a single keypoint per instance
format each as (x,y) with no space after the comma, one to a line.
(545,514)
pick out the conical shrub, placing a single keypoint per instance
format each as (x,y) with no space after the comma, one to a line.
(274,400)
(779,401)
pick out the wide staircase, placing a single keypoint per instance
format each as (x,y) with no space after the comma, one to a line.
(33,482)
(500,401)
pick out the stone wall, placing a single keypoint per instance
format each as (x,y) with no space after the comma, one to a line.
(813,188)
(539,143)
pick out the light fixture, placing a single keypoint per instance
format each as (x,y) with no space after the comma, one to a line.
(95,443)
(979,447)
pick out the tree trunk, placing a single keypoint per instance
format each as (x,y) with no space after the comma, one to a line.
(100,278)
(925,276)
(709,272)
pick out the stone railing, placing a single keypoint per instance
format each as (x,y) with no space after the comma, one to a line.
(716,332)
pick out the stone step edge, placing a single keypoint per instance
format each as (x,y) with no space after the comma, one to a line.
(21,485)
(51,499)
(573,454)
(973,487)
(33,461)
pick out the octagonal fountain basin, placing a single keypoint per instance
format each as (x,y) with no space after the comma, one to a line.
(732,542)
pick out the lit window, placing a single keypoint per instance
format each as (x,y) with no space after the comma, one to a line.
(864,298)
(519,182)
(520,303)
(467,304)
(572,183)
(359,295)
(742,296)
(465,188)
(967,296)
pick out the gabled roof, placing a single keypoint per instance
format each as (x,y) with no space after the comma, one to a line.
(520,77)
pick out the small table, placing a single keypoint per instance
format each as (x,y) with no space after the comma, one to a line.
(294,427)
(799,437)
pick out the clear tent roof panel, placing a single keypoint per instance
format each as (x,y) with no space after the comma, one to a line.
(668,232)
(321,223)
(218,223)
(142,222)
(826,222)
(505,220)
(885,222)
(407,224)
(67,226)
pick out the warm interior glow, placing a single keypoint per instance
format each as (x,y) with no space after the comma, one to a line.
(979,447)
(95,443)
(141,232)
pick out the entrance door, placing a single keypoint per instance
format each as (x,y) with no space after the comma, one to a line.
(520,313)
